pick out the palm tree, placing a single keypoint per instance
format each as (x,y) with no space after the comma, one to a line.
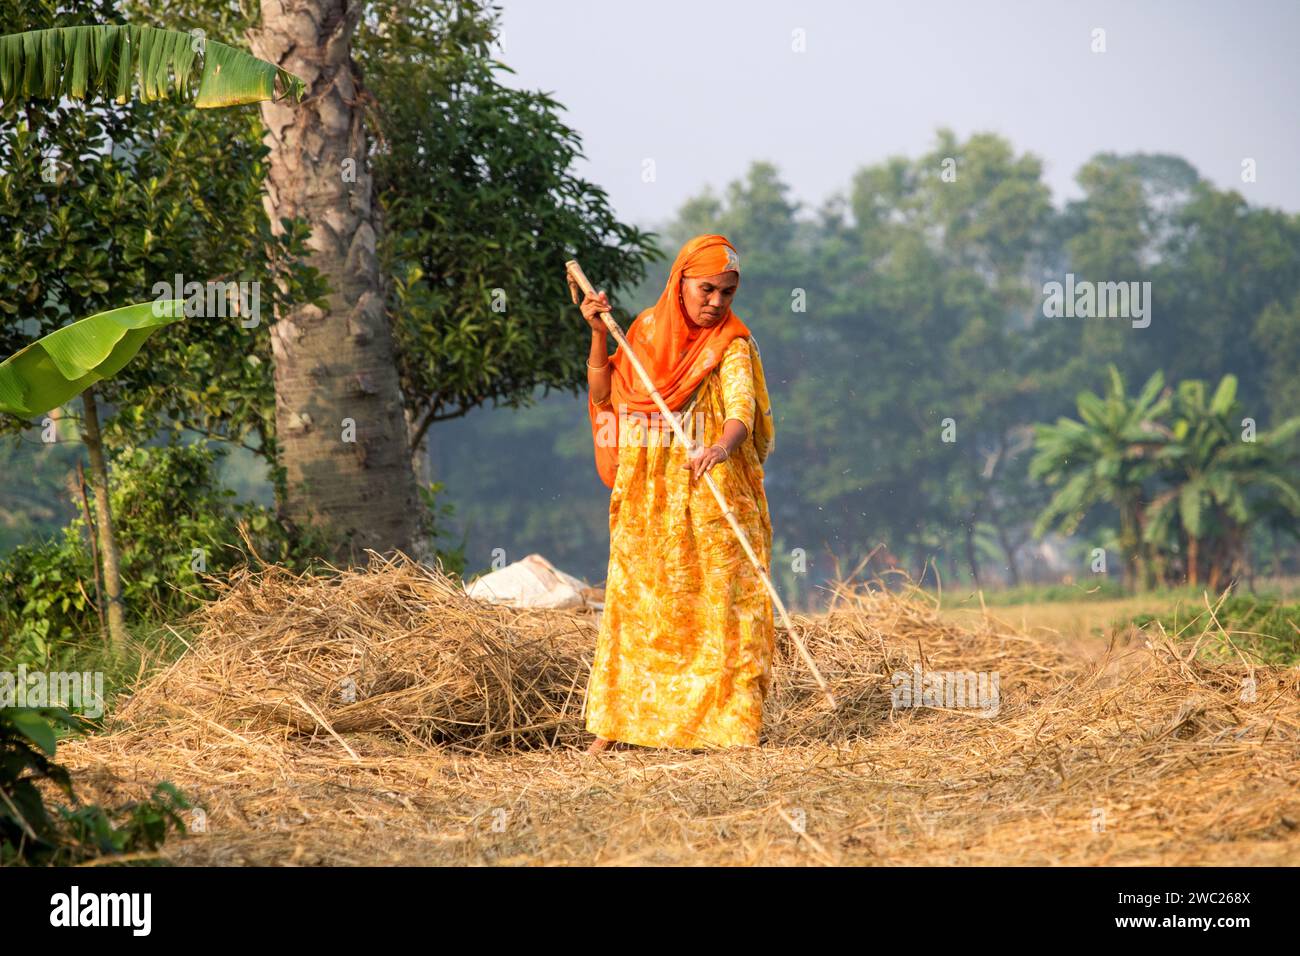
(1105,457)
(1219,483)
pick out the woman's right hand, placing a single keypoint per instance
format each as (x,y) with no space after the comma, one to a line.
(592,305)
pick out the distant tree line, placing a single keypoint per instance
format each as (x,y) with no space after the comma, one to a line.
(905,324)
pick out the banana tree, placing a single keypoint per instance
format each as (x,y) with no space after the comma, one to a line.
(1219,483)
(1104,457)
(117,62)
(53,370)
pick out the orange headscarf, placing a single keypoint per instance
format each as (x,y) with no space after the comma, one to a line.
(676,354)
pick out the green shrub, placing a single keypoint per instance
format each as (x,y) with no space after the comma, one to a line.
(29,834)
(1264,630)
(44,599)
(437,518)
(175,526)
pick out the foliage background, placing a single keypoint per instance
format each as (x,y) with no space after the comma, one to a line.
(923,305)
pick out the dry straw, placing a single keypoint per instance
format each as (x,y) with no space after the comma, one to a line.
(381,716)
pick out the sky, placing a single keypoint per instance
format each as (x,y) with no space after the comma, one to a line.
(704,88)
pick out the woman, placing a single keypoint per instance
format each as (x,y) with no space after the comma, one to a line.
(683,658)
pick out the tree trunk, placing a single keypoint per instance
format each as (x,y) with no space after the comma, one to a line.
(93,540)
(1008,548)
(1246,567)
(340,426)
(1212,581)
(1145,551)
(972,558)
(1129,545)
(421,465)
(1193,560)
(104,521)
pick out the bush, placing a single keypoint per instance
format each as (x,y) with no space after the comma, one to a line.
(28,832)
(1265,630)
(45,601)
(174,526)
(436,519)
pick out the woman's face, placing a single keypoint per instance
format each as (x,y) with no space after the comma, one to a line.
(707,298)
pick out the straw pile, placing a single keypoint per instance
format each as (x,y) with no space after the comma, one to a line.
(399,650)
(382,717)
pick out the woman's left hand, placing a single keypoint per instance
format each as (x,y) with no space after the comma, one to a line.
(704,458)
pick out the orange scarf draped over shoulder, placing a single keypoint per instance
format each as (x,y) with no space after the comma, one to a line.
(676,353)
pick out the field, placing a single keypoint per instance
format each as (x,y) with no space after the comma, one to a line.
(1084,624)
(384,718)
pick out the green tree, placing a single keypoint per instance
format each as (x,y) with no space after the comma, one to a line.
(929,317)
(54,369)
(101,204)
(482,210)
(1277,338)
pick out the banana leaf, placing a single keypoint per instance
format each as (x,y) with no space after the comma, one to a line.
(112,59)
(53,370)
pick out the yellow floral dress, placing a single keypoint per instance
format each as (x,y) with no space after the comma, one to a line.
(684,653)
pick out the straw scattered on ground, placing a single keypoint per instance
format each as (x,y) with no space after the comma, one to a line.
(383,717)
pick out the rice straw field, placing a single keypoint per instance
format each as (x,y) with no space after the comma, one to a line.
(382,717)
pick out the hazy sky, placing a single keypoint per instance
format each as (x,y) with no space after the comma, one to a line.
(705,87)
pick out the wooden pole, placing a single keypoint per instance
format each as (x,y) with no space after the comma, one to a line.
(578,280)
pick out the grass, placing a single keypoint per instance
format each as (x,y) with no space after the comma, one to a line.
(1100,589)
(1096,614)
(1242,627)
(1086,620)
(150,647)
